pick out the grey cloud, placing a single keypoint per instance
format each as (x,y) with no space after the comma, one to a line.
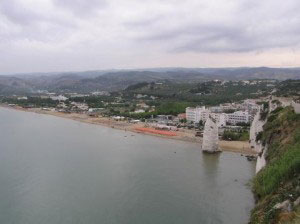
(33,24)
(159,30)
(82,7)
(17,14)
(255,26)
(145,22)
(224,39)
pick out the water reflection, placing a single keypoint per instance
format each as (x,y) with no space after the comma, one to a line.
(211,164)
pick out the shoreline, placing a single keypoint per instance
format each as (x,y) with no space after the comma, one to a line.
(182,135)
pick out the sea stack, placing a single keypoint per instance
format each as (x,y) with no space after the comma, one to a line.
(210,142)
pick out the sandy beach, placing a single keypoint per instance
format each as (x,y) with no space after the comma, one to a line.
(241,147)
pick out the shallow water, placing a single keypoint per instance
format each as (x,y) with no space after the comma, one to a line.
(54,170)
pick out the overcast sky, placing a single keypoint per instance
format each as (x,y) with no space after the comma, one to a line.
(76,35)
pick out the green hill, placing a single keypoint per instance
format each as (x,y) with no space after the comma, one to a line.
(279,181)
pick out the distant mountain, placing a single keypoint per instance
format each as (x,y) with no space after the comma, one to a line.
(14,85)
(112,80)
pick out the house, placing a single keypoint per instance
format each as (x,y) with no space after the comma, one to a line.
(139,111)
(118,118)
(164,119)
(79,106)
(93,112)
(59,98)
(181,116)
(139,96)
(22,98)
(101,93)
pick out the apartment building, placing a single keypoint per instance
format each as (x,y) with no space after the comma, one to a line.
(238,117)
(193,114)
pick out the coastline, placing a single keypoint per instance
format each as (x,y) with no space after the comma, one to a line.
(182,135)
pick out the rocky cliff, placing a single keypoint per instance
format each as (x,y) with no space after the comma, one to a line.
(277,185)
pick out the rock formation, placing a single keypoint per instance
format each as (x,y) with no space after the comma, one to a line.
(256,127)
(210,142)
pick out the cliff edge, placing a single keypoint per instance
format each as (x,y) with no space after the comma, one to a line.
(277,185)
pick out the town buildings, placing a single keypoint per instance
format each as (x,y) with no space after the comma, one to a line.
(238,117)
(242,113)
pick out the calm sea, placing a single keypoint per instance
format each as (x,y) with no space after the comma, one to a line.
(54,170)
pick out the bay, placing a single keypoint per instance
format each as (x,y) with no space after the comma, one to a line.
(54,170)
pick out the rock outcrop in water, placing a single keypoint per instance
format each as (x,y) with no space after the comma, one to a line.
(210,142)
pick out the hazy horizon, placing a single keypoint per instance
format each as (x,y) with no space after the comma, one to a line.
(133,69)
(80,35)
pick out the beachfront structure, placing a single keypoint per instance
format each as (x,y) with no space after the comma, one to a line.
(202,114)
(164,119)
(205,113)
(238,117)
(196,114)
(210,136)
(118,118)
(79,106)
(193,114)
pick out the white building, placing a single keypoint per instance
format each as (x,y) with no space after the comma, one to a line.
(205,114)
(23,98)
(193,114)
(196,114)
(101,93)
(59,98)
(216,109)
(95,109)
(228,106)
(137,111)
(202,114)
(250,106)
(238,117)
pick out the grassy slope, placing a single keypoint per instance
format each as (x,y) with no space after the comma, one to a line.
(280,179)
